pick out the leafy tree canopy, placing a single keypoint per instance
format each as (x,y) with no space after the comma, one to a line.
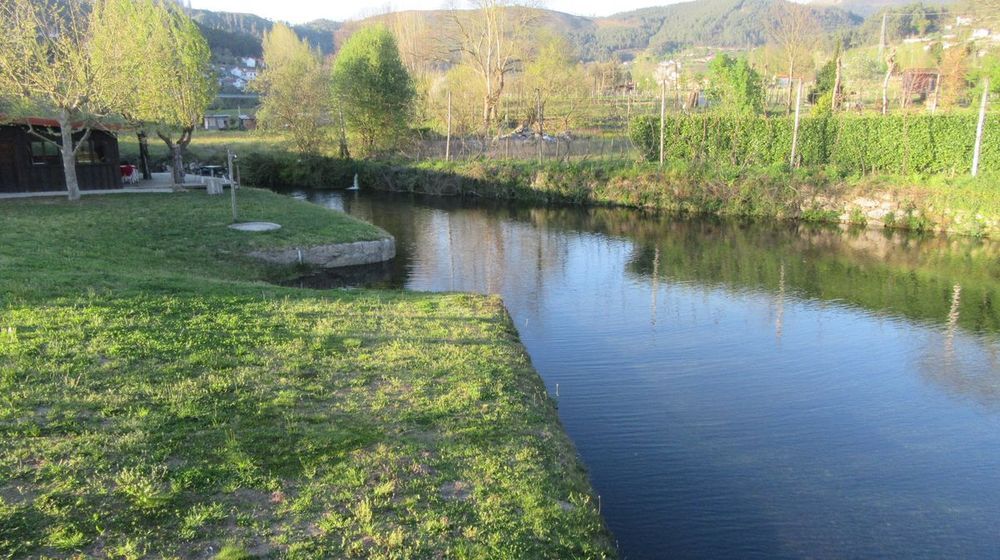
(374,89)
(735,85)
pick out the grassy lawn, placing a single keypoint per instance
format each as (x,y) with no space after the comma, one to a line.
(158,400)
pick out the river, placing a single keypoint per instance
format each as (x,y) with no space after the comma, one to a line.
(741,390)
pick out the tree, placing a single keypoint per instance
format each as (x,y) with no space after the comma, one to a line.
(374,89)
(491,39)
(167,93)
(49,65)
(178,84)
(954,72)
(827,93)
(120,41)
(555,75)
(794,30)
(294,89)
(735,85)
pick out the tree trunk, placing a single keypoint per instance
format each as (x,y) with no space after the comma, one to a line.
(178,163)
(144,154)
(68,155)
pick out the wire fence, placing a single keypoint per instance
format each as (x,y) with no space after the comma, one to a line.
(573,128)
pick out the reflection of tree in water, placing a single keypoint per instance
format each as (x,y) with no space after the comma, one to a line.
(488,250)
(500,247)
(875,270)
(973,372)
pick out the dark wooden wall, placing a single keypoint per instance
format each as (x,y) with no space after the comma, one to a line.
(19,174)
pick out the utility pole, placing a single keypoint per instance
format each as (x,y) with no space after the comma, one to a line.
(663,115)
(795,134)
(232,181)
(538,117)
(447,142)
(981,128)
(882,38)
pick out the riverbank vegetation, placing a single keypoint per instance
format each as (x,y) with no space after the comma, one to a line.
(159,399)
(958,204)
(857,145)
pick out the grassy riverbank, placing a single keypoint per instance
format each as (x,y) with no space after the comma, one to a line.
(955,204)
(158,399)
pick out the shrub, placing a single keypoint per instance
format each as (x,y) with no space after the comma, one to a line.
(898,144)
(283,169)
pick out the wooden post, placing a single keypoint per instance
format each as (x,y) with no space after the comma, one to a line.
(937,93)
(795,134)
(447,142)
(836,84)
(981,127)
(232,182)
(891,63)
(663,115)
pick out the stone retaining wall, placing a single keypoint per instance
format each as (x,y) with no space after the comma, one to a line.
(334,255)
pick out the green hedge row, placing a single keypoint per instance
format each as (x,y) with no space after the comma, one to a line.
(900,144)
(285,169)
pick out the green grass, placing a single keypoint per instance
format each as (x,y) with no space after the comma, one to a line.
(158,400)
(207,146)
(125,243)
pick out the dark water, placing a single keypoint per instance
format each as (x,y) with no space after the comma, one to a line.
(740,391)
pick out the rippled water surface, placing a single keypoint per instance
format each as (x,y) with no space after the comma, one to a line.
(743,391)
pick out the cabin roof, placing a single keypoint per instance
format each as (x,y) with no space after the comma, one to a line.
(52,123)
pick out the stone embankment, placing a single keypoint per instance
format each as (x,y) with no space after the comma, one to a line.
(332,256)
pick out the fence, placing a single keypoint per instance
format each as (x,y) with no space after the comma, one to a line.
(573,128)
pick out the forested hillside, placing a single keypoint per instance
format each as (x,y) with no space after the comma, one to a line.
(239,35)
(714,23)
(868,7)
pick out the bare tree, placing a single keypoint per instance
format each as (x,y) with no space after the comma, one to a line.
(890,64)
(793,29)
(491,40)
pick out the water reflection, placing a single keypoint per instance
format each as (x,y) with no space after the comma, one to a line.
(741,390)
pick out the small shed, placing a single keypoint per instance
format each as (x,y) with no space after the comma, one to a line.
(31,164)
(919,81)
(248,122)
(216,122)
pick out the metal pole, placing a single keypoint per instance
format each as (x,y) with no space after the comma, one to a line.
(538,115)
(981,128)
(232,181)
(795,134)
(663,115)
(447,144)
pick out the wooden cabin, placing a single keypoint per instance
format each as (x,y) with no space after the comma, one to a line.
(216,122)
(30,164)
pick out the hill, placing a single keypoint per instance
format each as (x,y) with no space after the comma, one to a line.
(712,23)
(232,34)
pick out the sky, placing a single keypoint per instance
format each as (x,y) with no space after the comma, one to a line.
(299,11)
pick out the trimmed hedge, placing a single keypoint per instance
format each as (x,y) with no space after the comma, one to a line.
(285,169)
(897,144)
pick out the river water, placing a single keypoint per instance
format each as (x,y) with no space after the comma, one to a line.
(738,390)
